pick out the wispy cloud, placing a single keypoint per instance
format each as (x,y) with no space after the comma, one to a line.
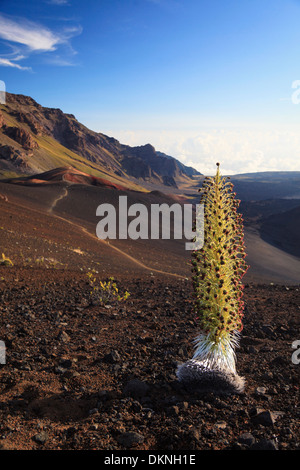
(58,2)
(13,63)
(31,37)
(54,59)
(27,33)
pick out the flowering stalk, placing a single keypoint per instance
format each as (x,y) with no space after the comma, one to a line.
(218,269)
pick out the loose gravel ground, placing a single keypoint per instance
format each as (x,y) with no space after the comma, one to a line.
(79,375)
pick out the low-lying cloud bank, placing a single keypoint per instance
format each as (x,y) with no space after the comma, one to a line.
(239,150)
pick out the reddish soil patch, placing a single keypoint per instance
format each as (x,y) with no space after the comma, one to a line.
(68,174)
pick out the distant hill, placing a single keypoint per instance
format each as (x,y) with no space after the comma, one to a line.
(282,230)
(35,139)
(270,201)
(267,185)
(258,211)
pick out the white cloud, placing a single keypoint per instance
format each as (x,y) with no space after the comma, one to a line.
(27,33)
(32,37)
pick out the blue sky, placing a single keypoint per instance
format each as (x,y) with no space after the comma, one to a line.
(202,80)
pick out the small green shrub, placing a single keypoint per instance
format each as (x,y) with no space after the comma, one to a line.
(4,261)
(105,292)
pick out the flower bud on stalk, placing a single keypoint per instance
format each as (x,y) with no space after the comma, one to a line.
(218,269)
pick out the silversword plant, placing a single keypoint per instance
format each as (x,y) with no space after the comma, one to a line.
(218,269)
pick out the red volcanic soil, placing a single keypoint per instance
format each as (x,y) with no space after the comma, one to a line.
(84,376)
(68,174)
(58,222)
(80,375)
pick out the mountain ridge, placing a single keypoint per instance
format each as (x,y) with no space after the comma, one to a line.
(34,139)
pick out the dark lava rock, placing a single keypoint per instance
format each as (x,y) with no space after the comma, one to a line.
(266,418)
(41,437)
(136,389)
(265,444)
(246,439)
(63,337)
(173,411)
(130,439)
(112,357)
